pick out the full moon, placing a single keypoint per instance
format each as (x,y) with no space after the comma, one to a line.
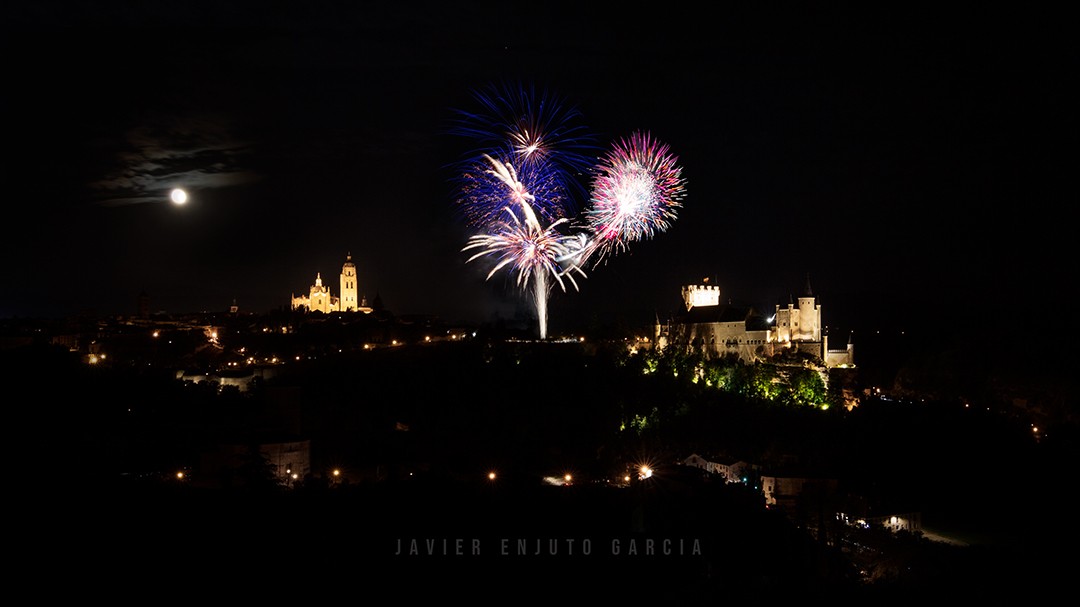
(178,196)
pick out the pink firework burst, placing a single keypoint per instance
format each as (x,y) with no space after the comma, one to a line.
(636,193)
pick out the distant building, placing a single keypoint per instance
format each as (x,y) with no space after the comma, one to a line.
(900,521)
(320,299)
(289,460)
(785,491)
(241,379)
(284,460)
(731,471)
(719,330)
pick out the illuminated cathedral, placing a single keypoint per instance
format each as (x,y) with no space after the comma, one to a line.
(320,299)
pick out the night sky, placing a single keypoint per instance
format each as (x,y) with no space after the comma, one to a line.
(918,166)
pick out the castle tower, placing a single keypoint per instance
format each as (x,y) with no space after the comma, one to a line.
(349,301)
(799,323)
(701,295)
(809,320)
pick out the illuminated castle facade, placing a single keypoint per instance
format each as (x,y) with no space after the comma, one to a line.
(320,299)
(718,330)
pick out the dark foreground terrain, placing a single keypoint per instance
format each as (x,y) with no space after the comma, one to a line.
(675,536)
(98,507)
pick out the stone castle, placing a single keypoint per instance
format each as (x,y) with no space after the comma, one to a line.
(718,330)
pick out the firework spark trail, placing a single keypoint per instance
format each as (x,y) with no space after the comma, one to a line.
(539,135)
(535,252)
(636,194)
(506,174)
(532,251)
(484,192)
(529,248)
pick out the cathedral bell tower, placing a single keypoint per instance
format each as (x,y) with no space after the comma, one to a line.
(349,300)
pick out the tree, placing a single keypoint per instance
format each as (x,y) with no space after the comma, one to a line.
(806,387)
(255,472)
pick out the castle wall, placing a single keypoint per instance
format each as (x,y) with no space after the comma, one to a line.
(840,358)
(813,348)
(717,339)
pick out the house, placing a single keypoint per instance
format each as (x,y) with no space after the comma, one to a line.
(732,471)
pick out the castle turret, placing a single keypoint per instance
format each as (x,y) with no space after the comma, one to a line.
(809,319)
(700,296)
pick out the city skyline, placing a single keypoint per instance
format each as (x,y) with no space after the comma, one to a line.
(909,166)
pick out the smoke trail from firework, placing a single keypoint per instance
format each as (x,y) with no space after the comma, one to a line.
(636,194)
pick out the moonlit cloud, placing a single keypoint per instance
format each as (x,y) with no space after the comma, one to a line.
(197,153)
